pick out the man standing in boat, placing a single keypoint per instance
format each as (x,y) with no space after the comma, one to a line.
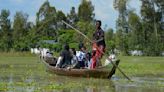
(98,45)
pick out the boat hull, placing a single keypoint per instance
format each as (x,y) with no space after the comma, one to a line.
(95,73)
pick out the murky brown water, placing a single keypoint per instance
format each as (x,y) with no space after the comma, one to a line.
(32,77)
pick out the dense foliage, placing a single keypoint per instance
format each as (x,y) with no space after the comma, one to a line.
(144,32)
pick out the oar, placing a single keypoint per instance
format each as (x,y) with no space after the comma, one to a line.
(96,48)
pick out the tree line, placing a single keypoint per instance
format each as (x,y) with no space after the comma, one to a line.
(144,32)
(133,32)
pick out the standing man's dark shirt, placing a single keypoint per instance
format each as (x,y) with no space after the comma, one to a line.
(99,36)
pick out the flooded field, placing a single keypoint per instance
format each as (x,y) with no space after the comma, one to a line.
(28,74)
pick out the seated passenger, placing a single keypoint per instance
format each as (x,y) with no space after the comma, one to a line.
(49,58)
(81,56)
(74,61)
(65,57)
(88,61)
(49,54)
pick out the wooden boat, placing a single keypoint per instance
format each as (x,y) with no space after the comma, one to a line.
(102,72)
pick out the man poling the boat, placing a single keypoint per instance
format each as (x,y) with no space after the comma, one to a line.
(99,42)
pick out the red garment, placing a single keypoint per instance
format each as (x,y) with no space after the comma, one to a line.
(96,54)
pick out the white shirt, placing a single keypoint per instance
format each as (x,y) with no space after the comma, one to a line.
(80,55)
(74,60)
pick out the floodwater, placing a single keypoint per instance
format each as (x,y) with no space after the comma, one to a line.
(33,77)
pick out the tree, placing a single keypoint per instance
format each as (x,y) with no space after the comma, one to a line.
(121,7)
(136,33)
(5,33)
(72,17)
(66,36)
(87,29)
(122,25)
(119,40)
(20,27)
(148,15)
(160,21)
(60,16)
(46,22)
(110,39)
(85,11)
(86,19)
(45,12)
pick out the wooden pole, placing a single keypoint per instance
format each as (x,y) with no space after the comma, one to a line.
(96,48)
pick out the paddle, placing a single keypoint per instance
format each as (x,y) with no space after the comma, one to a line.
(96,48)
